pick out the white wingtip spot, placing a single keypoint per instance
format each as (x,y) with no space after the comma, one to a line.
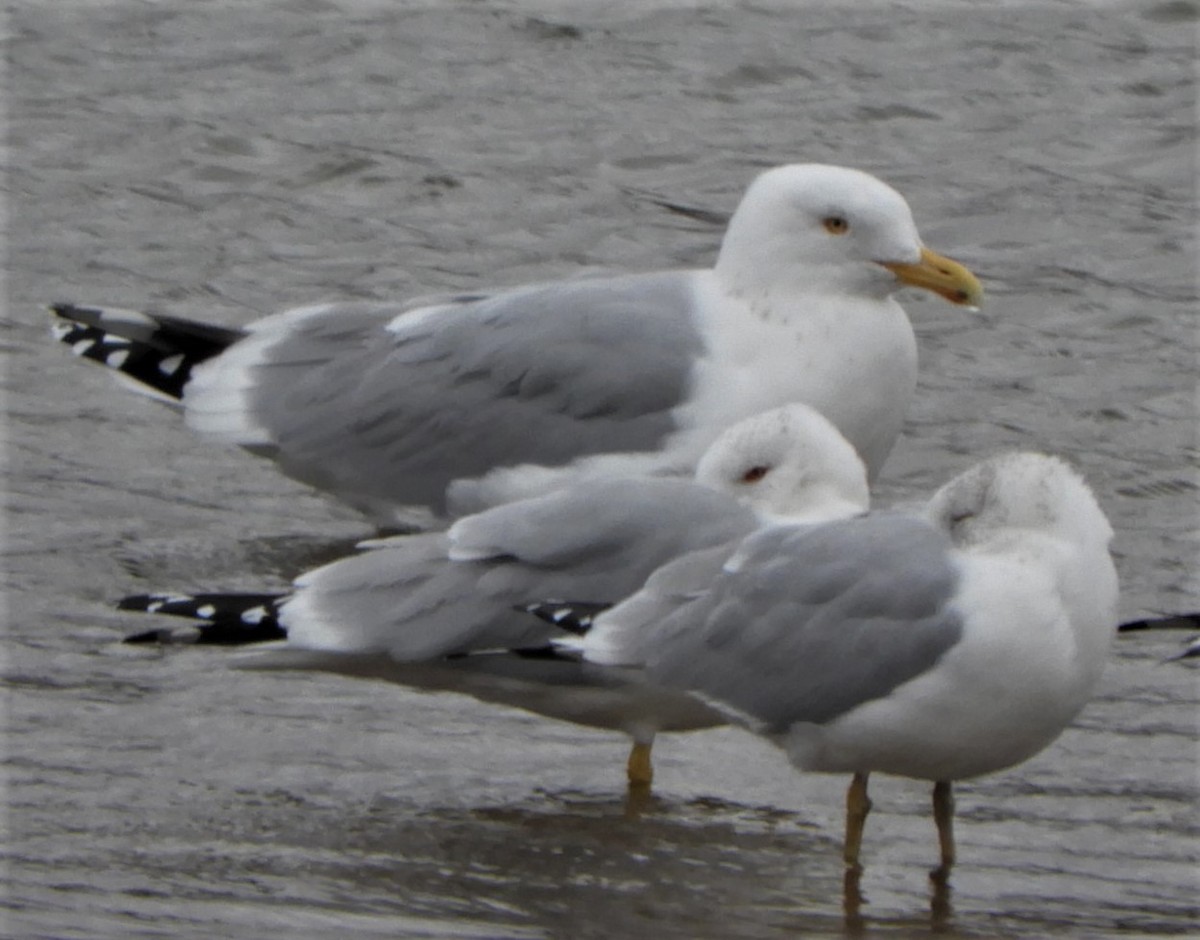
(116,359)
(254,615)
(171,364)
(82,346)
(206,611)
(60,329)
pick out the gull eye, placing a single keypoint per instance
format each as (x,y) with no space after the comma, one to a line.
(836,225)
(754,474)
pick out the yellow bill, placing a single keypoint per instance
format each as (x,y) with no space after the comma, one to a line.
(943,276)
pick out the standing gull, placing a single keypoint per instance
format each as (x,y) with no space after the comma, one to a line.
(481,398)
(939,648)
(431,610)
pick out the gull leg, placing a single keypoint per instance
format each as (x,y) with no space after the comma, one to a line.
(639,768)
(640,774)
(943,815)
(858,805)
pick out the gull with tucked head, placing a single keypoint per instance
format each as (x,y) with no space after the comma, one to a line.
(939,647)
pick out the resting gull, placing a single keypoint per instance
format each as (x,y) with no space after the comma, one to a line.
(442,610)
(476,399)
(940,647)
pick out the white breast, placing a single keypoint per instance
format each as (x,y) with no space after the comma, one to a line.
(854,360)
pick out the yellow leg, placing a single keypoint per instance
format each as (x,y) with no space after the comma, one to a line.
(943,815)
(641,774)
(639,768)
(858,805)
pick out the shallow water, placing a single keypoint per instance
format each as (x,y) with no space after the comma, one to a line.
(224,160)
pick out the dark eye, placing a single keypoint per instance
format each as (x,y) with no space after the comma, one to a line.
(754,474)
(835,225)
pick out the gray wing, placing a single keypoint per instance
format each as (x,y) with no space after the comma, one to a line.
(383,414)
(815,621)
(620,634)
(607,521)
(599,540)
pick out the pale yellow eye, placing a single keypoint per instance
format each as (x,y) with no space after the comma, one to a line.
(836,225)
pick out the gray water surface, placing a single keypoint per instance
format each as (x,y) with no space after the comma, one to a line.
(223,160)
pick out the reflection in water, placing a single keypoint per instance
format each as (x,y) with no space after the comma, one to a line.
(675,870)
(940,909)
(853,900)
(695,869)
(857,923)
(568,861)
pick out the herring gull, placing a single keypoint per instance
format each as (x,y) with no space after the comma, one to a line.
(938,647)
(472,400)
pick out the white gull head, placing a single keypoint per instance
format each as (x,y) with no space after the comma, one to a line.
(788,464)
(832,230)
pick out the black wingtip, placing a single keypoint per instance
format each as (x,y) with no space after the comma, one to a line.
(140,601)
(159,352)
(572,616)
(214,634)
(150,636)
(218,619)
(1165,622)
